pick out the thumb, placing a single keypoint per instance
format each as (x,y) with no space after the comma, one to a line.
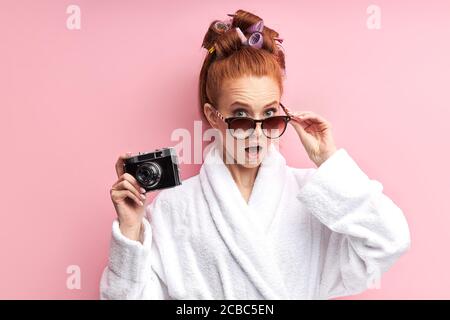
(307,139)
(299,128)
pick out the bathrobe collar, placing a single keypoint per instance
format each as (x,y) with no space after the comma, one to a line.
(245,227)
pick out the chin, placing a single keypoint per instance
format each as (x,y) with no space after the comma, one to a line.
(251,165)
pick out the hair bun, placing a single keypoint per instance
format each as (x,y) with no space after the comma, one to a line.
(223,38)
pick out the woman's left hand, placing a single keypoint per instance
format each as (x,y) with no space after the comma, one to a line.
(315,134)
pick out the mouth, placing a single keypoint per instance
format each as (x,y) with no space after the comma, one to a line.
(253,150)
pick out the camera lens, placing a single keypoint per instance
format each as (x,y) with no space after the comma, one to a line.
(148,174)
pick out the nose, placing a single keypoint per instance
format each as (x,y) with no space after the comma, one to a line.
(258,130)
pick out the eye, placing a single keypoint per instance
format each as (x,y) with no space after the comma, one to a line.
(240,113)
(270,112)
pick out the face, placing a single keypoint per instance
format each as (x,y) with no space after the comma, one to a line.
(254,97)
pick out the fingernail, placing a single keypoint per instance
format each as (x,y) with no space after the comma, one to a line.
(141,203)
(142,190)
(142,197)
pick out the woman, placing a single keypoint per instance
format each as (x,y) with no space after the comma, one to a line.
(253,227)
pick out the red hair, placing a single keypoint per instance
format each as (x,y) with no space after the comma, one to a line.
(231,59)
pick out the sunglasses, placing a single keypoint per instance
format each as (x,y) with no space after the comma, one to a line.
(243,127)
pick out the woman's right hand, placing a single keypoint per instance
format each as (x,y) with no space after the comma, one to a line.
(128,198)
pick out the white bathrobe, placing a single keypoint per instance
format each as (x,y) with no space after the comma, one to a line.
(304,234)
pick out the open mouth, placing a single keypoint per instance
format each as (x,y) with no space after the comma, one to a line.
(253,149)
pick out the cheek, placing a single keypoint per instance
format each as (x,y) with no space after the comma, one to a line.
(222,128)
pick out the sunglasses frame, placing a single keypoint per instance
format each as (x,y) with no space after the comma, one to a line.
(229,120)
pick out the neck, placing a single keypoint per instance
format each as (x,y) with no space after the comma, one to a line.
(244,177)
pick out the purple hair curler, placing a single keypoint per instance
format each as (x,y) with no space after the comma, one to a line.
(256,37)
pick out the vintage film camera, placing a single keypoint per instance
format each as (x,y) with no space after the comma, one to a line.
(155,170)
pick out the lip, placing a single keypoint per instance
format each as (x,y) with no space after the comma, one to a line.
(253,146)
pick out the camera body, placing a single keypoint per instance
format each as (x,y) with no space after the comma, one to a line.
(154,170)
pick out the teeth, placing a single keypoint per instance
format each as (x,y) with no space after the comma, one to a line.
(253,149)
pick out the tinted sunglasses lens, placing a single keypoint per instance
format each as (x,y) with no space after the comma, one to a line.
(274,127)
(241,128)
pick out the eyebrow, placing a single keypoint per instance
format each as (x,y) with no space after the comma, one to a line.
(248,106)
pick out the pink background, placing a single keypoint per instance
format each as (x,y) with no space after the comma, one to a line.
(73,100)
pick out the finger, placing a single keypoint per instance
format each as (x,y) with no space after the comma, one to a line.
(132,180)
(304,123)
(299,117)
(299,127)
(322,124)
(297,114)
(119,163)
(126,185)
(118,195)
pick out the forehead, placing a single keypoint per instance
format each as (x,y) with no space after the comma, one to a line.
(257,92)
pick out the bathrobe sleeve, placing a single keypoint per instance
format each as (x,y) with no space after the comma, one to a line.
(129,273)
(363,231)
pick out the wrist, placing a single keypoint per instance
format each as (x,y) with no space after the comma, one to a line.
(325,157)
(132,232)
